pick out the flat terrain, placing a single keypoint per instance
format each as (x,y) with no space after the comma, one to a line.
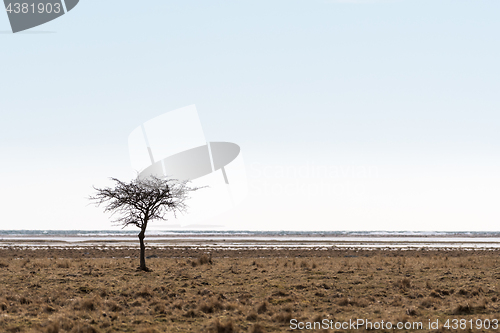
(95,290)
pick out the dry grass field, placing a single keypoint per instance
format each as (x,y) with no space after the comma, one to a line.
(255,291)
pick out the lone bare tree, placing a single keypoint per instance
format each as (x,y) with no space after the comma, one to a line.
(143,200)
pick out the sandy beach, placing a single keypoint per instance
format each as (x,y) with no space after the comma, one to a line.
(268,289)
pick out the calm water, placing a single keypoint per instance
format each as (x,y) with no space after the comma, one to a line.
(119,233)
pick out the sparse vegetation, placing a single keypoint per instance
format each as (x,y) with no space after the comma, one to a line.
(52,291)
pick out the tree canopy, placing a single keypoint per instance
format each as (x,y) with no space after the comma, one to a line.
(142,200)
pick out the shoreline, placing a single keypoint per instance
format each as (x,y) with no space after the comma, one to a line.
(186,252)
(251,242)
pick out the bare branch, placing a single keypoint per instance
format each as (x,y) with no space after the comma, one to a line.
(142,200)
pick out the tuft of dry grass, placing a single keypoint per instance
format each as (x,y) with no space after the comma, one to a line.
(404,283)
(63,264)
(257,328)
(149,330)
(252,316)
(205,260)
(52,327)
(144,292)
(462,309)
(202,260)
(87,304)
(23,300)
(84,328)
(113,306)
(411,311)
(212,306)
(427,302)
(283,317)
(218,326)
(262,308)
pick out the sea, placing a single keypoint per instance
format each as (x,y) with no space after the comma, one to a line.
(238,239)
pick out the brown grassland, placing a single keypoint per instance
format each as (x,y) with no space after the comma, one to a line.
(52,291)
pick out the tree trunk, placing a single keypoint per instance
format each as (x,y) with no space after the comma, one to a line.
(143,250)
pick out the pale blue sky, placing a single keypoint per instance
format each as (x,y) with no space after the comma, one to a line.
(406,88)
